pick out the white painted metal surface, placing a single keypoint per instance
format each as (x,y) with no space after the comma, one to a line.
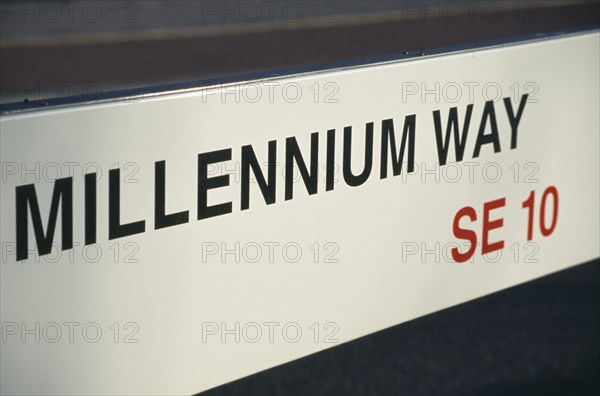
(188,307)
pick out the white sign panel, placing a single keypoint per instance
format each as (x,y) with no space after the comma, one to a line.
(172,243)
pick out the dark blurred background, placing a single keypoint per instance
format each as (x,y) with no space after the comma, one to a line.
(65,48)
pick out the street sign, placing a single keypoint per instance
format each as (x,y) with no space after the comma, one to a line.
(174,241)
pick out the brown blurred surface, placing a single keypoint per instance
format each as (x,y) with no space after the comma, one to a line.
(38,72)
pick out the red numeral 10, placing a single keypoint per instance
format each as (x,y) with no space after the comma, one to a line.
(529,204)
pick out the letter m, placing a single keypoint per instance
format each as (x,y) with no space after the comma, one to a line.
(408,138)
(26,197)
